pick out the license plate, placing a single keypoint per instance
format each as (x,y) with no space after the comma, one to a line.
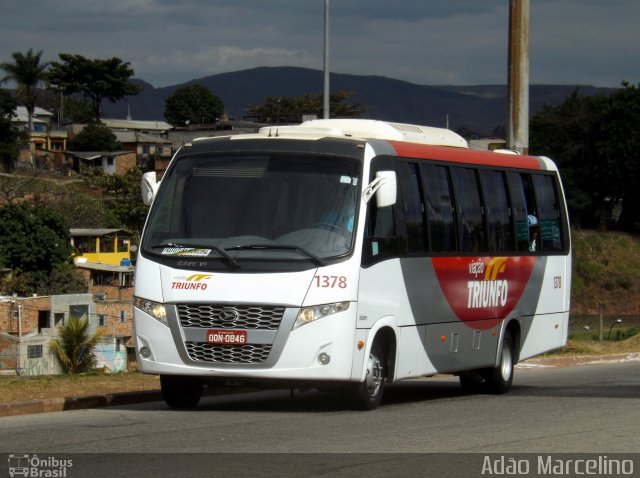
(227,337)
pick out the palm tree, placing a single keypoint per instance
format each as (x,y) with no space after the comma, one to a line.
(27,72)
(74,347)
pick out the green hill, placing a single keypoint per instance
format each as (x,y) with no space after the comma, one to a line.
(606,270)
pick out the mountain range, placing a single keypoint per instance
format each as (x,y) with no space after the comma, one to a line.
(479,109)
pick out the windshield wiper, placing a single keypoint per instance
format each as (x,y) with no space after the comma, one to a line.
(219,250)
(317,260)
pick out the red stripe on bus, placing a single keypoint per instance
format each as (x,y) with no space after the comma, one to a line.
(462,155)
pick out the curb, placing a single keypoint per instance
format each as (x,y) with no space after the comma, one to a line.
(577,360)
(26,407)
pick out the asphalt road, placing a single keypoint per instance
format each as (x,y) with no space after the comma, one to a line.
(588,409)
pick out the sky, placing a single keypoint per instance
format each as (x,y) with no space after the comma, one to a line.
(427,42)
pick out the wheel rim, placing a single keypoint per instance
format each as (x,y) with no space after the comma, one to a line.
(506,365)
(374,375)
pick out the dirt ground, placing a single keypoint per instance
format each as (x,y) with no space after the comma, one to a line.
(66,386)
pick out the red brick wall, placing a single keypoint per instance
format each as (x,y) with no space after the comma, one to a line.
(29,308)
(125,162)
(114,326)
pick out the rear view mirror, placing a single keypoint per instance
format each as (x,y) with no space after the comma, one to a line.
(149,187)
(386,194)
(384,186)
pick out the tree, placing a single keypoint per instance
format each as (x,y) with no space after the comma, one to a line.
(95,79)
(8,133)
(595,141)
(194,104)
(33,238)
(74,347)
(94,137)
(284,109)
(567,134)
(123,201)
(27,72)
(78,110)
(618,146)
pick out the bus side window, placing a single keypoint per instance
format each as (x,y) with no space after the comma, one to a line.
(549,220)
(440,208)
(413,207)
(381,240)
(525,216)
(470,210)
(499,227)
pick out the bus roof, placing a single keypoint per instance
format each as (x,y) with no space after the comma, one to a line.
(370,129)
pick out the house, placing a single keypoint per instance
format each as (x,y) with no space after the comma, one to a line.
(105,259)
(143,143)
(28,324)
(45,144)
(106,246)
(110,162)
(149,149)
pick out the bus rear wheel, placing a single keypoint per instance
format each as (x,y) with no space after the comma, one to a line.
(499,379)
(368,394)
(180,391)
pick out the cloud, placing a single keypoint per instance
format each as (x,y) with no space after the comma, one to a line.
(427,42)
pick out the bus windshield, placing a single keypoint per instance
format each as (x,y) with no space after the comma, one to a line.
(258,207)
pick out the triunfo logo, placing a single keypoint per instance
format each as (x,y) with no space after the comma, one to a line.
(483,290)
(192,282)
(492,290)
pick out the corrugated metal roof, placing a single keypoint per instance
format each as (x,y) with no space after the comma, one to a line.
(101,266)
(40,115)
(136,124)
(138,137)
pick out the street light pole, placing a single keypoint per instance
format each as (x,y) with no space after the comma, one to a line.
(325,106)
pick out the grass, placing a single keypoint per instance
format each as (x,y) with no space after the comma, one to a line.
(60,386)
(606,271)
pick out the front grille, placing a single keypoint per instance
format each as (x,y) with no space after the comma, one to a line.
(230,316)
(250,353)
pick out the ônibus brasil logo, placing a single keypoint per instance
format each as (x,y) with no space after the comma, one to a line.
(491,291)
(192,282)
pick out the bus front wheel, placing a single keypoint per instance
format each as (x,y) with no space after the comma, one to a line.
(180,391)
(368,393)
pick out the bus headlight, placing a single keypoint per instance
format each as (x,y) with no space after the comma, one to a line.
(154,309)
(311,314)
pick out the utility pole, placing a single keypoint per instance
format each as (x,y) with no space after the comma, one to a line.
(325,106)
(19,346)
(518,81)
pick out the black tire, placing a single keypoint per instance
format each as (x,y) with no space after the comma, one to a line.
(368,394)
(498,380)
(180,391)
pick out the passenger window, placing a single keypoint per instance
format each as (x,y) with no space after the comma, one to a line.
(471,227)
(497,212)
(439,208)
(413,207)
(549,213)
(525,216)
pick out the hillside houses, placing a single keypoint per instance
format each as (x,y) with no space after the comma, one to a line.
(46,147)
(28,324)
